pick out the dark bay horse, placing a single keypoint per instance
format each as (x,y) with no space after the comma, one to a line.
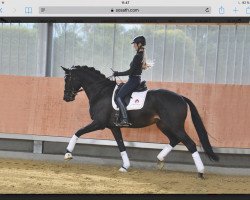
(166,109)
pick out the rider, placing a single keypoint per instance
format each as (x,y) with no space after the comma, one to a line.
(138,63)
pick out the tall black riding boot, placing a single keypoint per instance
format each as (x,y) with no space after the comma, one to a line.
(124,119)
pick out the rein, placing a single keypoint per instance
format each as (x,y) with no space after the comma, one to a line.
(72,91)
(99,92)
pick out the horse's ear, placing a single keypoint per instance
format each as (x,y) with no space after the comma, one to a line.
(65,69)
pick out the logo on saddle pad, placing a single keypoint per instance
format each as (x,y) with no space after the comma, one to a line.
(136,101)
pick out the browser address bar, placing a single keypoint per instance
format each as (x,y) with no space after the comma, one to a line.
(71,10)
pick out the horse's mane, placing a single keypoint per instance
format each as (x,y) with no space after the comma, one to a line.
(91,69)
(101,86)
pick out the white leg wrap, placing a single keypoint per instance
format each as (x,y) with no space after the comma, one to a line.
(126,163)
(164,152)
(198,163)
(72,143)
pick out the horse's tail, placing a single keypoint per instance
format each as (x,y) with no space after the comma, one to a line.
(201,131)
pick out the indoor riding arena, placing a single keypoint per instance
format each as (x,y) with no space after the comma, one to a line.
(207,63)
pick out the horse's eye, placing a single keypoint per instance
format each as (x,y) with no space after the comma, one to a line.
(66,76)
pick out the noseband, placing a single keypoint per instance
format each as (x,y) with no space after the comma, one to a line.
(73,92)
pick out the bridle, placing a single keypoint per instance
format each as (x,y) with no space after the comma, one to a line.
(71,90)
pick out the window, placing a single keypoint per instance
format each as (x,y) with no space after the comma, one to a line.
(181,53)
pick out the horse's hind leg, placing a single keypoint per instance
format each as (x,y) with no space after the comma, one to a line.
(189,143)
(173,142)
(176,136)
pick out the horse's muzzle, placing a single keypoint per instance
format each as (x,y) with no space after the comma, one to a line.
(68,98)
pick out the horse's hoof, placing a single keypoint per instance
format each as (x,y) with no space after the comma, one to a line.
(200,175)
(160,164)
(122,170)
(68,156)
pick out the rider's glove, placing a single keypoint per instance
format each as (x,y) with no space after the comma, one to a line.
(116,73)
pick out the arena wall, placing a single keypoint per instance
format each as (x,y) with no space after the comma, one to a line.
(35,106)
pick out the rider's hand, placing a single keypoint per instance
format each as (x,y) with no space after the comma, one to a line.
(115,73)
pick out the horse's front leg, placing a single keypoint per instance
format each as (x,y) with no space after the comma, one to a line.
(118,137)
(89,128)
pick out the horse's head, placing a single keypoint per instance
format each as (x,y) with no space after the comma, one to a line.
(72,84)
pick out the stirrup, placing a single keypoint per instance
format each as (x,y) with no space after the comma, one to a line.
(123,123)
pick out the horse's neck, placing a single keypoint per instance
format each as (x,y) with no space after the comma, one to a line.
(88,87)
(99,91)
(94,86)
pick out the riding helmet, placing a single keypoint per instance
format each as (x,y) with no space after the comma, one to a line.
(139,39)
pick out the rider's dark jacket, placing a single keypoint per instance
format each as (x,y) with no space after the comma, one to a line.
(135,66)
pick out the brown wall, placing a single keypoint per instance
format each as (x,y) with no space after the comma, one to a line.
(32,105)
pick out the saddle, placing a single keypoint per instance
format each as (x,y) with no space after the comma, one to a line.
(140,88)
(133,101)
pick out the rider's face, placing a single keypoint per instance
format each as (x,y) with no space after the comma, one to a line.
(135,46)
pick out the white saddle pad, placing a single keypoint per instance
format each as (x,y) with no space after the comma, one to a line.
(136,101)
